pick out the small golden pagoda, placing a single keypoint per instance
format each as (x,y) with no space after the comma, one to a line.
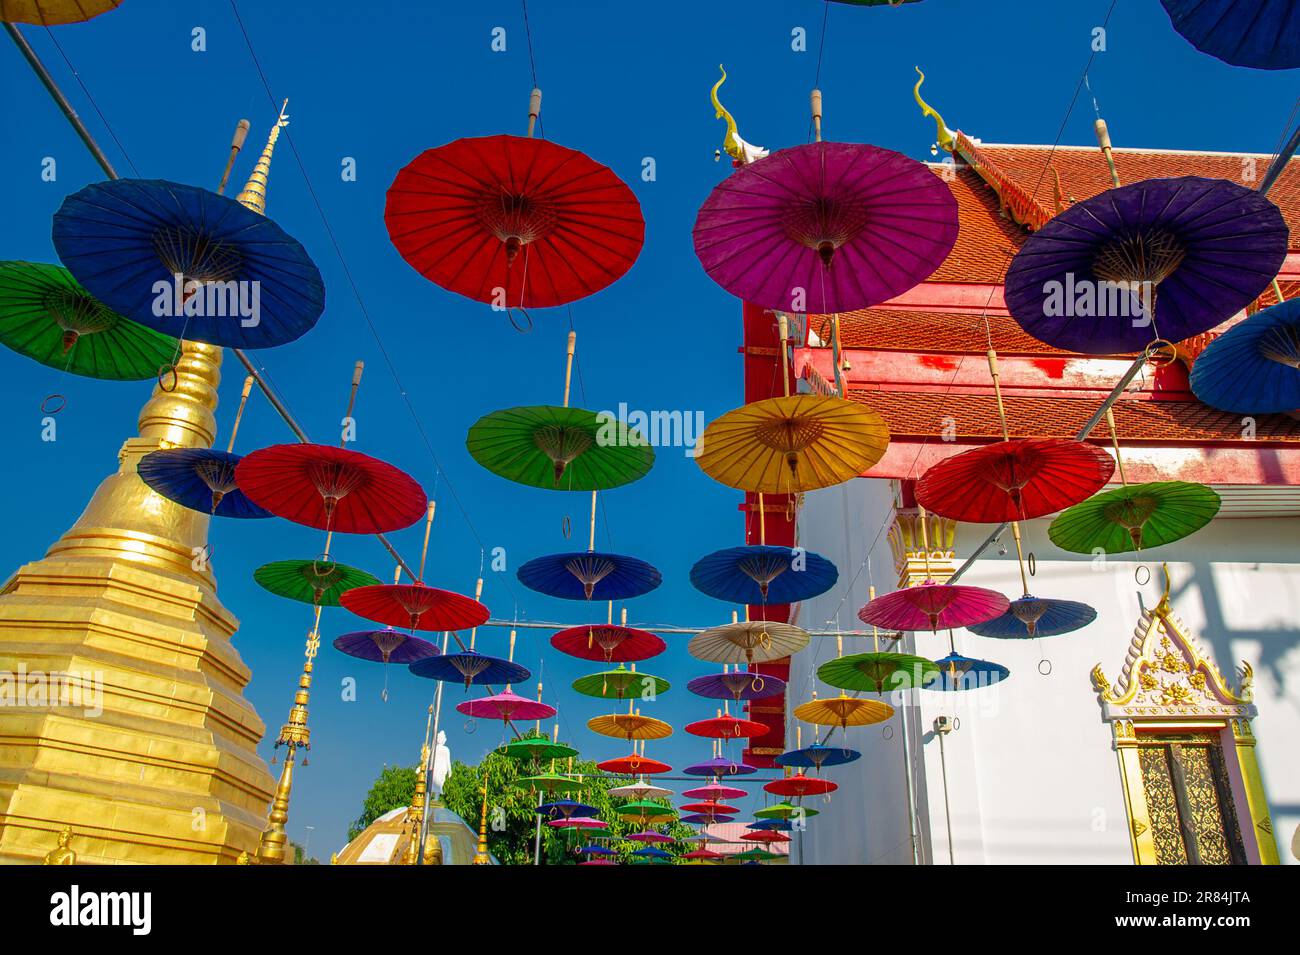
(132,731)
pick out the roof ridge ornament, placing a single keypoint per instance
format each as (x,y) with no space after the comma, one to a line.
(741,152)
(946,137)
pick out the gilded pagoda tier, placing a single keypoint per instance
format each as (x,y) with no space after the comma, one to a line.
(124,717)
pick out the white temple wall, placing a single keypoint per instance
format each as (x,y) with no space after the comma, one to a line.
(1032,777)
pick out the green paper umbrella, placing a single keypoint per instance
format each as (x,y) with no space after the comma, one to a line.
(47,316)
(549,783)
(312,581)
(536,747)
(620,684)
(647,813)
(878,672)
(755,855)
(1134,517)
(562,449)
(785,810)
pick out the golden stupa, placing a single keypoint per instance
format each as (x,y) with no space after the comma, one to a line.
(132,731)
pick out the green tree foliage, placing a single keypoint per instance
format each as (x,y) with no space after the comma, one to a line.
(512,816)
(394,788)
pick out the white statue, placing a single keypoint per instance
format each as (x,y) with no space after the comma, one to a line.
(441,764)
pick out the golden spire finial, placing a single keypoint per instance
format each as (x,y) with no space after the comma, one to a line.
(253,195)
(735,147)
(947,139)
(481,857)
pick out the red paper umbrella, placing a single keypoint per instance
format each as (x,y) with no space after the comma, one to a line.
(710,808)
(633,765)
(1015,480)
(505,707)
(930,606)
(704,855)
(727,727)
(608,642)
(714,791)
(415,606)
(330,488)
(765,836)
(800,785)
(514,222)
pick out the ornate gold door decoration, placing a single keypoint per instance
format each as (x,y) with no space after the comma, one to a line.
(1186,752)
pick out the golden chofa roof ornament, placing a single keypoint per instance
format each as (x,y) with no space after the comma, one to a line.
(742,152)
(947,139)
(253,195)
(1167,674)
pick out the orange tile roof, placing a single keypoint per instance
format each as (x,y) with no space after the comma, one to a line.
(919,414)
(986,240)
(1083,172)
(929,331)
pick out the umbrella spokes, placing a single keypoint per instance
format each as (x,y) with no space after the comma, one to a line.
(1029,610)
(517,220)
(195,255)
(790,435)
(1281,344)
(562,445)
(387,641)
(77,314)
(591,570)
(334,480)
(219,475)
(1143,257)
(825,223)
(762,569)
(1132,513)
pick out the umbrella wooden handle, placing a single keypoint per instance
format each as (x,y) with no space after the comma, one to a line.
(534,109)
(816,101)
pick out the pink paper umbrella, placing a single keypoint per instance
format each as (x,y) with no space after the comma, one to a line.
(578,822)
(715,792)
(826,227)
(506,706)
(649,836)
(931,606)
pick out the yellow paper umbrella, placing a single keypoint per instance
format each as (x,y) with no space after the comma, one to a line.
(629,726)
(843,711)
(53,12)
(748,641)
(791,444)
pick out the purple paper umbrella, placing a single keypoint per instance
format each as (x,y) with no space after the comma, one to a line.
(506,706)
(1199,249)
(719,766)
(826,227)
(385,646)
(703,819)
(736,685)
(648,836)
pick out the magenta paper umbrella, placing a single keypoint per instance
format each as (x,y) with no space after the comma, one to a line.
(506,706)
(826,227)
(931,606)
(715,791)
(578,822)
(648,836)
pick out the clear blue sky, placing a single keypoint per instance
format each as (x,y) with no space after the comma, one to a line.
(384,80)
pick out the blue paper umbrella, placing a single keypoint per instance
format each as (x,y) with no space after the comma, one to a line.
(1036,617)
(589,575)
(763,574)
(471,668)
(126,241)
(202,479)
(649,852)
(1264,34)
(595,850)
(771,825)
(565,809)
(817,756)
(1253,367)
(966,673)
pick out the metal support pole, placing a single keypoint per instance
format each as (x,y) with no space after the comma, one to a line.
(433,755)
(907,776)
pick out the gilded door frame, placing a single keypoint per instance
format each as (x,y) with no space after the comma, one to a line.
(1170,685)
